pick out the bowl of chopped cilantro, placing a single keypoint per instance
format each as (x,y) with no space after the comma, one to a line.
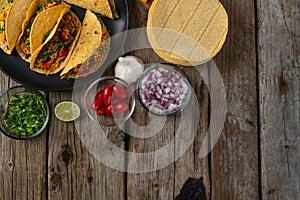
(24,113)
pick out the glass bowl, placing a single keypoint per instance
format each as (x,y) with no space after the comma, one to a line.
(8,110)
(117,117)
(158,87)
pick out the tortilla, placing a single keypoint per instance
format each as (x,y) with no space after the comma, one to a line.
(52,56)
(103,7)
(91,49)
(43,22)
(187,32)
(13,23)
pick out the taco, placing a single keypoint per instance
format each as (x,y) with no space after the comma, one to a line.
(103,7)
(52,55)
(12,16)
(40,20)
(91,49)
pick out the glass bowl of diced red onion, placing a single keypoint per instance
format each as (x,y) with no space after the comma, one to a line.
(109,100)
(164,89)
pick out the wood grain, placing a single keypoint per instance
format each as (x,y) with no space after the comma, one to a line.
(234,159)
(279,81)
(253,159)
(189,164)
(158,184)
(23,163)
(74,173)
(167,182)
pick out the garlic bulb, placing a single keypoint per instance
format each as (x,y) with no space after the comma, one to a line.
(129,68)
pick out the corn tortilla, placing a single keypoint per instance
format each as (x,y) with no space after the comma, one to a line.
(102,7)
(93,37)
(14,21)
(193,31)
(43,23)
(36,54)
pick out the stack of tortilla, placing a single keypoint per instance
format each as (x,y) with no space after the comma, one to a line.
(50,36)
(187,32)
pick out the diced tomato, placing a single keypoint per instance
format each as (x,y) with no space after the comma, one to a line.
(108,111)
(107,92)
(120,107)
(119,91)
(98,100)
(97,103)
(101,110)
(117,100)
(64,53)
(65,35)
(99,95)
(47,64)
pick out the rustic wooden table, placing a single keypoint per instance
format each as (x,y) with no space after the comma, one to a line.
(256,157)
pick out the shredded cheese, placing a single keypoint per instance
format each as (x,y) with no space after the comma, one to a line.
(25,46)
(3,15)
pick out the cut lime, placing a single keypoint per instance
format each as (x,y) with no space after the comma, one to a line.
(67,111)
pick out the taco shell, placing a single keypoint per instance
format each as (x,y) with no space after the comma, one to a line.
(13,23)
(42,25)
(45,23)
(52,37)
(91,49)
(102,7)
(190,40)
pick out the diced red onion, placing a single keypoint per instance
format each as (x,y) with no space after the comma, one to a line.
(162,90)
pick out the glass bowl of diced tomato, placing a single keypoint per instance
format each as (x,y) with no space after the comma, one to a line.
(109,100)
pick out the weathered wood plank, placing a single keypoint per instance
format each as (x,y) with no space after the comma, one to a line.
(189,164)
(279,81)
(6,159)
(158,184)
(74,173)
(234,159)
(152,185)
(23,163)
(167,182)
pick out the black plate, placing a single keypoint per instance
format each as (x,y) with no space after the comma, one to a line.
(17,69)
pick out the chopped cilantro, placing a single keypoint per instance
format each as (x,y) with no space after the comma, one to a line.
(46,36)
(100,16)
(116,14)
(26,114)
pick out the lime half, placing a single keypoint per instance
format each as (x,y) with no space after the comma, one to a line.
(67,111)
